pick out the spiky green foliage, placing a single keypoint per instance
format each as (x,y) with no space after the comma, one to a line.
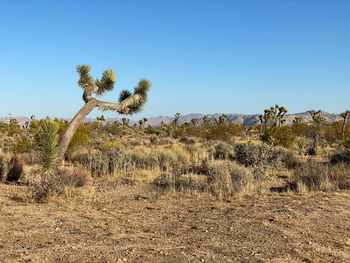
(141,89)
(297,120)
(124,94)
(85,79)
(300,142)
(317,117)
(98,86)
(47,146)
(106,83)
(223,119)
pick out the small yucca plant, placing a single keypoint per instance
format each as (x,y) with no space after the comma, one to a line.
(48,143)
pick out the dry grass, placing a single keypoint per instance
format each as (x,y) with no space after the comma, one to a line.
(321,177)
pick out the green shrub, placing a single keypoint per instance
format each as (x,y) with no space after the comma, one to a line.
(262,155)
(223,151)
(22,145)
(113,145)
(283,136)
(222,132)
(80,137)
(154,139)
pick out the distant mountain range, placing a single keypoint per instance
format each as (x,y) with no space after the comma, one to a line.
(247,119)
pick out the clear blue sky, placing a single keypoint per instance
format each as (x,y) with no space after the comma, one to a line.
(201,56)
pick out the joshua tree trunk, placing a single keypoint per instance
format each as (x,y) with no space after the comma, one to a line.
(72,127)
(92,103)
(345,116)
(343,128)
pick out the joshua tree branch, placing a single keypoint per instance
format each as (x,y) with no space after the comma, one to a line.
(122,107)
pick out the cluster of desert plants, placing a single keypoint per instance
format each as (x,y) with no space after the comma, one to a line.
(214,156)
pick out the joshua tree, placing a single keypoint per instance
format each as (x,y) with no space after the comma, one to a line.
(345,116)
(268,115)
(101,119)
(194,122)
(223,119)
(273,116)
(206,121)
(125,122)
(176,119)
(280,116)
(261,120)
(144,121)
(276,115)
(141,123)
(317,118)
(129,103)
(297,120)
(13,122)
(32,117)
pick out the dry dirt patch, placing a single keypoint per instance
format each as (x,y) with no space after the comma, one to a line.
(122,225)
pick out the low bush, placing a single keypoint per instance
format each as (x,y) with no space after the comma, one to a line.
(262,155)
(341,157)
(22,145)
(49,187)
(74,176)
(321,177)
(15,169)
(220,179)
(223,151)
(187,140)
(301,143)
(98,163)
(181,183)
(154,139)
(290,161)
(57,186)
(283,136)
(113,145)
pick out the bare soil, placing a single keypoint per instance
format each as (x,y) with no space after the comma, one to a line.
(123,225)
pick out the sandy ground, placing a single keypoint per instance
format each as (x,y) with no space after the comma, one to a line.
(123,226)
